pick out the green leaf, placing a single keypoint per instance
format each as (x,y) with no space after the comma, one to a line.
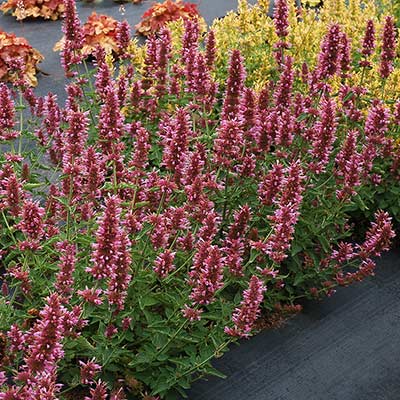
(296,248)
(298,279)
(302,117)
(324,243)
(348,96)
(214,372)
(148,301)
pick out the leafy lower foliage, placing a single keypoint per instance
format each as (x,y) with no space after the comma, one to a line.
(160,214)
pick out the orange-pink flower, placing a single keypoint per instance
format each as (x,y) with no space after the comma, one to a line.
(16,52)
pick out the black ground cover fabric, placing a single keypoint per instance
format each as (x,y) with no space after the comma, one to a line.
(343,348)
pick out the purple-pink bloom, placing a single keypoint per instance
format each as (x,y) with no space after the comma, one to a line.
(281,18)
(330,55)
(105,255)
(13,194)
(7,113)
(271,184)
(64,278)
(190,38)
(191,313)
(286,215)
(210,49)
(120,276)
(164,263)
(45,347)
(206,275)
(378,237)
(247,313)
(99,392)
(283,91)
(345,53)
(349,166)
(163,55)
(229,142)
(92,295)
(368,44)
(32,220)
(175,133)
(123,37)
(76,135)
(388,52)
(88,371)
(324,135)
(234,250)
(234,86)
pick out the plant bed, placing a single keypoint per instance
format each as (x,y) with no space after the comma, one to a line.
(181,203)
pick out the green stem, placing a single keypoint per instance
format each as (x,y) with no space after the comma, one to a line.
(172,337)
(21,123)
(208,359)
(9,228)
(225,201)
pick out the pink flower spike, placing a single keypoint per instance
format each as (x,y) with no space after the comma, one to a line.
(32,220)
(281,18)
(271,184)
(247,313)
(379,236)
(88,371)
(92,295)
(210,49)
(388,52)
(324,136)
(7,113)
(163,264)
(192,314)
(123,37)
(100,392)
(206,276)
(329,56)
(234,86)
(106,248)
(120,274)
(45,347)
(64,278)
(368,44)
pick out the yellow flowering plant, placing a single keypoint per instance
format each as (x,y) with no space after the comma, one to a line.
(251,30)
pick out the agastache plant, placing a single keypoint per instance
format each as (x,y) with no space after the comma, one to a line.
(180,211)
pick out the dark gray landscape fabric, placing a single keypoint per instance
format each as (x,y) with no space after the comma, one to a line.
(346,347)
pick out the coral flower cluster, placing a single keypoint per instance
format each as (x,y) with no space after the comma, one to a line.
(99,30)
(22,9)
(157,16)
(18,60)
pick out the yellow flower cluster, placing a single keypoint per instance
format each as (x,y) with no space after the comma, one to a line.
(311,3)
(252,31)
